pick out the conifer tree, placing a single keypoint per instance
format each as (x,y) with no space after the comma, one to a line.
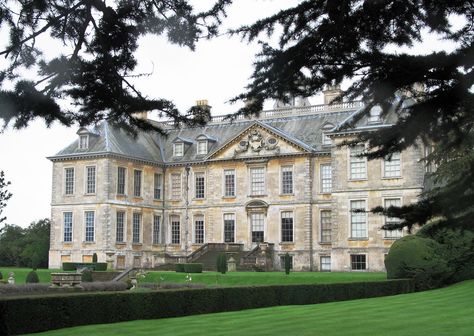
(326,42)
(5,195)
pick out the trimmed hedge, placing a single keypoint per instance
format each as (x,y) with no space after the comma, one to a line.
(72,266)
(35,314)
(189,268)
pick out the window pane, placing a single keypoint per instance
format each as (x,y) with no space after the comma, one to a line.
(287,226)
(175,186)
(121,171)
(137,222)
(229,182)
(157,188)
(358,262)
(326,226)
(67,226)
(90,182)
(137,183)
(175,230)
(229,228)
(326,178)
(202,147)
(178,149)
(69,183)
(199,185)
(199,230)
(257,181)
(287,180)
(156,229)
(325,262)
(392,234)
(89,224)
(120,227)
(358,220)
(258,224)
(358,165)
(392,166)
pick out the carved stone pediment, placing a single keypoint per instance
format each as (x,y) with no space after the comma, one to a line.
(256,141)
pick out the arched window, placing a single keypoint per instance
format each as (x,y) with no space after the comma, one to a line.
(327,128)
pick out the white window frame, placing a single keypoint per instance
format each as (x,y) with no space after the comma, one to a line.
(86,180)
(83,141)
(251,182)
(375,115)
(202,147)
(124,226)
(158,185)
(138,215)
(394,234)
(124,180)
(285,211)
(321,241)
(180,152)
(322,269)
(197,217)
(282,184)
(359,269)
(86,240)
(351,223)
(64,227)
(179,188)
(234,218)
(263,225)
(324,178)
(140,189)
(388,163)
(325,140)
(224,185)
(353,159)
(171,229)
(71,193)
(202,175)
(154,233)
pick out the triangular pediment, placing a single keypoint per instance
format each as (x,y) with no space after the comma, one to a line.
(259,140)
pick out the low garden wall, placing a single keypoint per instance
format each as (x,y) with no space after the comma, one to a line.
(34,314)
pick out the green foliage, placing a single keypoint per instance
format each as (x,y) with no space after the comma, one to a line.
(94,258)
(221,263)
(115,307)
(32,277)
(193,268)
(99,43)
(35,261)
(4,195)
(287,263)
(72,266)
(86,276)
(1,275)
(18,245)
(180,268)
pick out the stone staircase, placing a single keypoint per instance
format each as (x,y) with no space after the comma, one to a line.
(104,276)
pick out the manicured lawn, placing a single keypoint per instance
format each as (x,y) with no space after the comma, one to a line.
(20,274)
(263,278)
(447,311)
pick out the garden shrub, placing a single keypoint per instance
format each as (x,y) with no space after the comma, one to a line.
(221,263)
(1,275)
(287,263)
(28,314)
(94,258)
(417,258)
(35,261)
(180,268)
(86,276)
(193,268)
(72,266)
(32,277)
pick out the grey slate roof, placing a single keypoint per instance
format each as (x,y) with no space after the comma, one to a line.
(303,130)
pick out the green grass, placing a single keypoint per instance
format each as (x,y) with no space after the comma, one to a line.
(264,278)
(44,275)
(447,311)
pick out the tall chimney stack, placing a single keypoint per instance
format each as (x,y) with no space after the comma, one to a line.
(331,92)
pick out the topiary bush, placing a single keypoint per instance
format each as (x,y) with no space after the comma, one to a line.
(287,260)
(193,268)
(179,268)
(221,263)
(94,258)
(1,275)
(418,258)
(86,276)
(32,277)
(35,261)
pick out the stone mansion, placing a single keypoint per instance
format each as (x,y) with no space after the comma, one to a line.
(264,186)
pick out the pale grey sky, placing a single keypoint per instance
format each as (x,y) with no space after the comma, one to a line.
(218,70)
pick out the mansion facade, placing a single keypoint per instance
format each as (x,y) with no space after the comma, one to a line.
(279,181)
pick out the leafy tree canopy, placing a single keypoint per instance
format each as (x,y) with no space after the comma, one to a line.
(324,42)
(5,195)
(94,72)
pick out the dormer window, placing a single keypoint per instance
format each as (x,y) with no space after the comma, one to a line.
(375,115)
(178,149)
(327,140)
(83,141)
(202,147)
